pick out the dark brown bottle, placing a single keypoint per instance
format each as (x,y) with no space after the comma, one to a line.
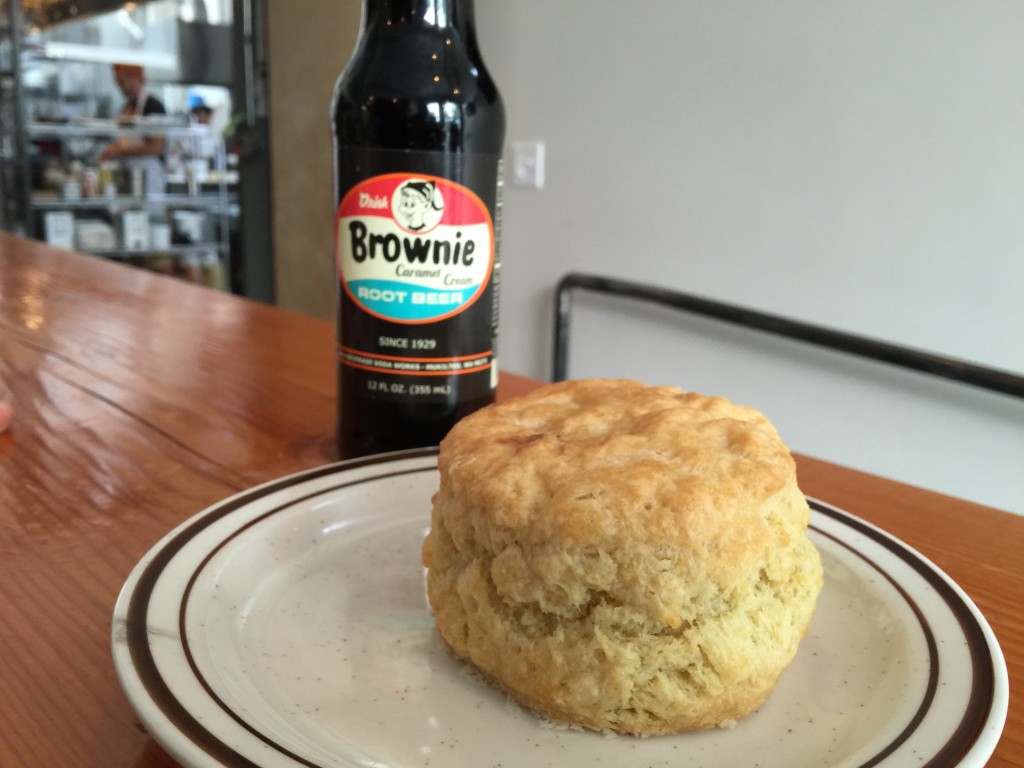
(418,128)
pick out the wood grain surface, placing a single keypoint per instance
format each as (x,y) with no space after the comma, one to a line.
(140,400)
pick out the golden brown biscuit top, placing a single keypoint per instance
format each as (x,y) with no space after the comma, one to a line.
(596,460)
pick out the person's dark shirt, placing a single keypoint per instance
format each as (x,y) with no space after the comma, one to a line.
(152,106)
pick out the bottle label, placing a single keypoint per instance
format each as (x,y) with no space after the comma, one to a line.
(413,248)
(418,265)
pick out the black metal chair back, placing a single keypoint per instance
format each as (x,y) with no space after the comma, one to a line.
(993,379)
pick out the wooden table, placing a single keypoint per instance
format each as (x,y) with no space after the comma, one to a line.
(141,400)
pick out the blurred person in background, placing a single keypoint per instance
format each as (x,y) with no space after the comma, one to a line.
(201,113)
(145,152)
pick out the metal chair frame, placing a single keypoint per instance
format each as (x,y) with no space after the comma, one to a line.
(962,371)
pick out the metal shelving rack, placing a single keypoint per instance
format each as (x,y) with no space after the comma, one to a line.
(22,209)
(15,182)
(220,204)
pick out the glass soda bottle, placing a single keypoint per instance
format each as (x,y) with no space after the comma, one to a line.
(418,129)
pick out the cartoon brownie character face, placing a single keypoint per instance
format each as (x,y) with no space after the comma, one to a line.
(419,205)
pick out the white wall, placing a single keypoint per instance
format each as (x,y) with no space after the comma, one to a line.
(859,165)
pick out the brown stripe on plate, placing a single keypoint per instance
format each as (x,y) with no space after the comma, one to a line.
(136,624)
(979,703)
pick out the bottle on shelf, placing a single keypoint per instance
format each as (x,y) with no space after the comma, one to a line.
(108,179)
(418,130)
(212,270)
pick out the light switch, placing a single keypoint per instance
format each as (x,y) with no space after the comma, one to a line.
(527,161)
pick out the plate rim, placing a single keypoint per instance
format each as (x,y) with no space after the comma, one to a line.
(166,717)
(985,713)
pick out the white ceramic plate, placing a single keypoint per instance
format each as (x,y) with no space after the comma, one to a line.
(287,626)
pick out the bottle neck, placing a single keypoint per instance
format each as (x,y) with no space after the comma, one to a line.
(438,14)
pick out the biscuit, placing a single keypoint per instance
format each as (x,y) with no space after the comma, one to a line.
(622,557)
